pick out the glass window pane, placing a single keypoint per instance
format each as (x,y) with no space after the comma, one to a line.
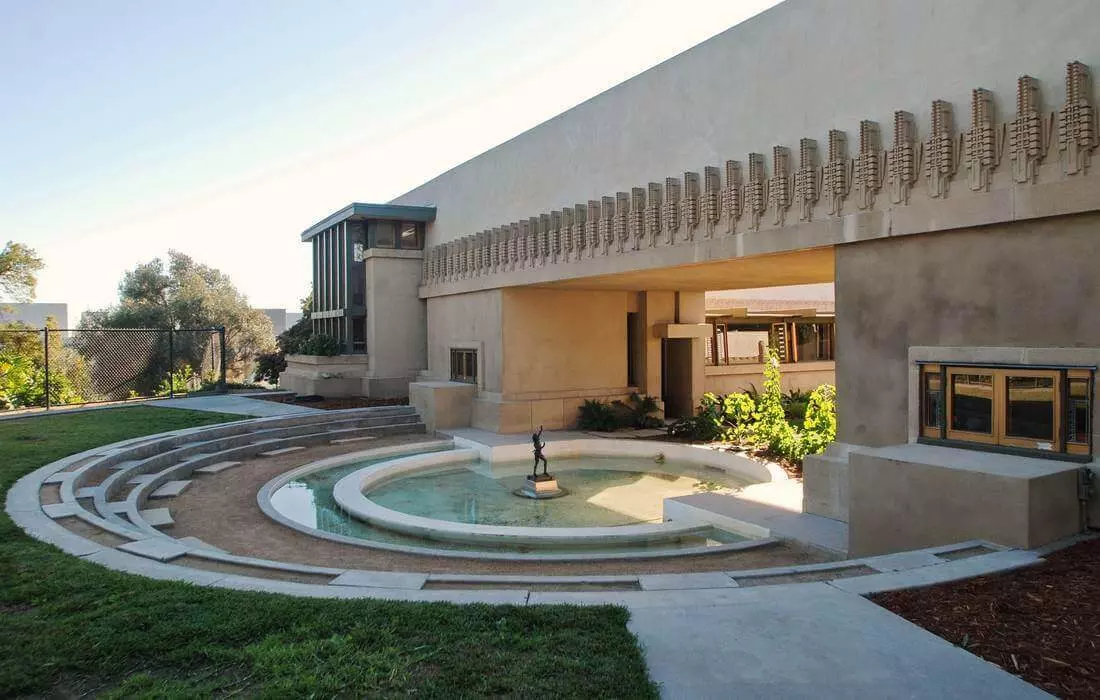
(972,403)
(410,235)
(933,399)
(383,234)
(1030,411)
(807,336)
(1078,418)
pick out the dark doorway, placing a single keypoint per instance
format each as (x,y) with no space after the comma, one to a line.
(676,377)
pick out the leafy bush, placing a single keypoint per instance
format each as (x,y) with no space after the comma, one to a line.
(597,415)
(321,344)
(178,382)
(641,410)
(767,418)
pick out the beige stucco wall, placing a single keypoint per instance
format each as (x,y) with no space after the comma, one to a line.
(803,376)
(396,322)
(563,341)
(466,320)
(795,71)
(1027,284)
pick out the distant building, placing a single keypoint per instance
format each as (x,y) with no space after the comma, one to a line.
(34,314)
(281,319)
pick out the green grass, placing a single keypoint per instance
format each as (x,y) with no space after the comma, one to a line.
(69,627)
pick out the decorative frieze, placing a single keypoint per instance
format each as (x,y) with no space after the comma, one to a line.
(709,205)
(636,222)
(731,196)
(755,196)
(940,150)
(689,205)
(653,211)
(1077,121)
(1028,133)
(628,219)
(903,160)
(982,142)
(807,180)
(671,211)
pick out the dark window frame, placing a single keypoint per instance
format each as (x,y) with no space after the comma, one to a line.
(464,365)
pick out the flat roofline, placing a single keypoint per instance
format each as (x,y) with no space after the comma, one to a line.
(370,211)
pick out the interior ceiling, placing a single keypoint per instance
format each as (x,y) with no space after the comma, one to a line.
(806,266)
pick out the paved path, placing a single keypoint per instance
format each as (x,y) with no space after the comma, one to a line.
(231,403)
(808,640)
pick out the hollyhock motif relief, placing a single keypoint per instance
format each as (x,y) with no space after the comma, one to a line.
(807,180)
(653,213)
(731,196)
(709,204)
(982,142)
(869,165)
(755,195)
(941,150)
(1077,121)
(671,212)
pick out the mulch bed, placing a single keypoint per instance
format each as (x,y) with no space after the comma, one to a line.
(1041,623)
(333,404)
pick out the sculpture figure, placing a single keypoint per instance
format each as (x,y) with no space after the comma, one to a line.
(536,439)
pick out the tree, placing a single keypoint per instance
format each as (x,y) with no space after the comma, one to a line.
(187,294)
(19,268)
(23,368)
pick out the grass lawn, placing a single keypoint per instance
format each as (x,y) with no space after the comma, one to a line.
(68,627)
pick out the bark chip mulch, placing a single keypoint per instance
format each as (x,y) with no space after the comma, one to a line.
(1041,623)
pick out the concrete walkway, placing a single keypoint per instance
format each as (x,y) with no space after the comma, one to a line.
(234,403)
(808,640)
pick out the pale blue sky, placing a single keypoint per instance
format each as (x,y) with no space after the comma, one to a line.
(223,129)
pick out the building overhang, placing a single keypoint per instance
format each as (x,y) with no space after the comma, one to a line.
(360,211)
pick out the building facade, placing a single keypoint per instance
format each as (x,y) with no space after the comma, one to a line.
(932,159)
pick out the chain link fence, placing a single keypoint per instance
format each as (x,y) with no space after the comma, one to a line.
(47,367)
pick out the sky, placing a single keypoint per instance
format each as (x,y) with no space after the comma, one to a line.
(223,129)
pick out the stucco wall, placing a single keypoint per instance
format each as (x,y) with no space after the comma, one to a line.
(563,340)
(466,319)
(1028,284)
(396,324)
(795,71)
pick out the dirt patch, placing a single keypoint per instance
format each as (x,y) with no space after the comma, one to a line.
(221,509)
(333,404)
(1041,623)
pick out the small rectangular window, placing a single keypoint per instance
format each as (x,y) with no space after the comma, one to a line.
(464,366)
(932,406)
(383,234)
(410,235)
(1030,409)
(972,403)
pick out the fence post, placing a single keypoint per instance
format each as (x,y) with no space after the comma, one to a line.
(221,354)
(171,363)
(46,354)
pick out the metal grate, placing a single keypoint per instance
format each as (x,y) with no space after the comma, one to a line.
(50,366)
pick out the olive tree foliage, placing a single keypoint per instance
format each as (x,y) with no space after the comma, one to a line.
(19,268)
(188,294)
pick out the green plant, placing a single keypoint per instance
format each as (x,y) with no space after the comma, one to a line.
(772,429)
(321,344)
(641,410)
(819,428)
(178,382)
(597,415)
(794,404)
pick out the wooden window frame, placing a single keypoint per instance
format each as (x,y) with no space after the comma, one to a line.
(467,358)
(998,438)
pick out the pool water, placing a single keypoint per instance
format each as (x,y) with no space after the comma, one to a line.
(602,492)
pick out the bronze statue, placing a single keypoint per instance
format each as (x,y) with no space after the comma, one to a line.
(536,439)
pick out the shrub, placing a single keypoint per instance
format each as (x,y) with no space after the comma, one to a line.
(641,409)
(819,428)
(321,344)
(597,415)
(178,382)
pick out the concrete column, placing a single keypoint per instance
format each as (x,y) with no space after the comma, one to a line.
(396,322)
(692,307)
(656,308)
